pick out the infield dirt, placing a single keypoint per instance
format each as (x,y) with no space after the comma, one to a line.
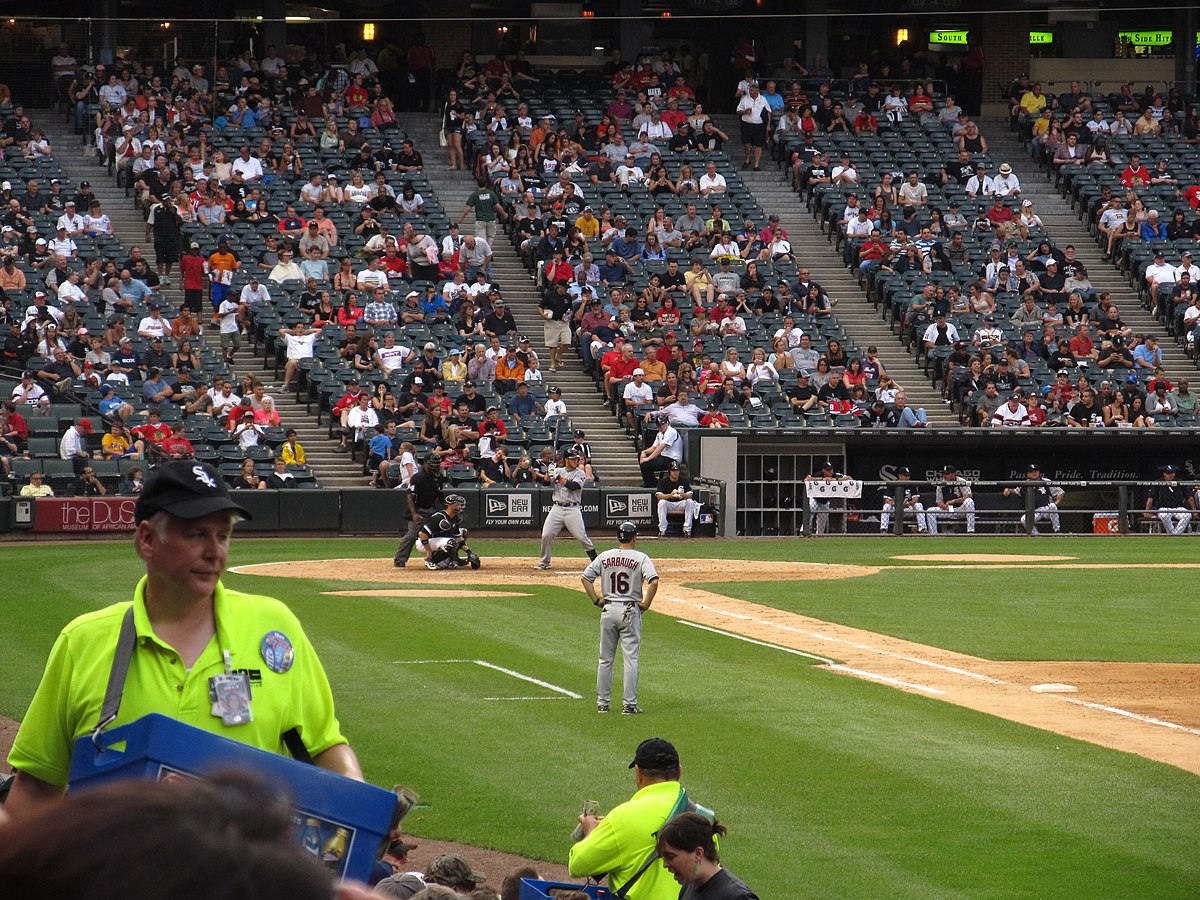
(1151,709)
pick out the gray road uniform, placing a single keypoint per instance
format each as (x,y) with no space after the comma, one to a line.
(623,573)
(566,511)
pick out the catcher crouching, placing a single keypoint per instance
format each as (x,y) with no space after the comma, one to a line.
(443,537)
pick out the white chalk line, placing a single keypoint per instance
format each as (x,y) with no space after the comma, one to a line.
(821,659)
(749,640)
(526,698)
(510,672)
(886,679)
(530,679)
(1116,710)
(836,640)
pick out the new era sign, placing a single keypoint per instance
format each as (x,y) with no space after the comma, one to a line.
(637,508)
(509,508)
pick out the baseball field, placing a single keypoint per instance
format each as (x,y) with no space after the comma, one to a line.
(987,717)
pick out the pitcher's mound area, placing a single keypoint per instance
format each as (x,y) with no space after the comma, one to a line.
(982,557)
(521,570)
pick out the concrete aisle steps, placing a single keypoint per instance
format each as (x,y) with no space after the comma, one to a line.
(331,469)
(814,250)
(614,457)
(1064,225)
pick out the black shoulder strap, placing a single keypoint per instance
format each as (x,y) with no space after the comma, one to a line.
(126,643)
(682,804)
(291,739)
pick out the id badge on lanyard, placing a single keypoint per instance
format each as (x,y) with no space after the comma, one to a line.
(230,695)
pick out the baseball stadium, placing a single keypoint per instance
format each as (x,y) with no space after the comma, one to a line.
(828,373)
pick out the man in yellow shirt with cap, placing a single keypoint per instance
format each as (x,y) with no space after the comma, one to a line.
(622,843)
(190,632)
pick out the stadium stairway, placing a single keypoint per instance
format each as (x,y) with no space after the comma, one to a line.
(613,455)
(1065,227)
(813,249)
(331,469)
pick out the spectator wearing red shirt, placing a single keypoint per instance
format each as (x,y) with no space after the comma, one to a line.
(1135,174)
(666,352)
(191,267)
(1001,217)
(342,408)
(494,425)
(153,432)
(177,446)
(357,96)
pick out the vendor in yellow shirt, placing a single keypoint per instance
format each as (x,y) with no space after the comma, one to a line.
(188,628)
(622,843)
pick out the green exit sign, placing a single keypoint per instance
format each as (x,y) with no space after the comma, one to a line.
(1041,37)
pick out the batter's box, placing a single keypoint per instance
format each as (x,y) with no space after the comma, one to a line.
(474,688)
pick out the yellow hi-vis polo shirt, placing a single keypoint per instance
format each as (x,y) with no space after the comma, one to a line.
(264,639)
(622,841)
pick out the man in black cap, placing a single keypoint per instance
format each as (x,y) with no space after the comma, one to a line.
(952,500)
(421,501)
(1172,503)
(910,500)
(621,844)
(189,639)
(1046,497)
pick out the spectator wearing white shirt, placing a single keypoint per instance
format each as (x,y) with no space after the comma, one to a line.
(61,244)
(980,184)
(1159,273)
(940,333)
(555,405)
(913,192)
(1006,182)
(249,167)
(372,276)
(391,356)
(754,113)
(70,291)
(712,181)
(629,172)
(1012,414)
(70,219)
(154,325)
(255,293)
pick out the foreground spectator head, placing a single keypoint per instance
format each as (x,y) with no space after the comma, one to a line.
(226,838)
(451,870)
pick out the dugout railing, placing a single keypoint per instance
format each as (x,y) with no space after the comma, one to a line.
(1084,507)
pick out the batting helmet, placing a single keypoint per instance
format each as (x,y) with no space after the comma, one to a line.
(626,532)
(456,500)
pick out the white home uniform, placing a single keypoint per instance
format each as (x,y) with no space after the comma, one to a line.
(1046,497)
(566,510)
(676,496)
(956,493)
(911,504)
(623,573)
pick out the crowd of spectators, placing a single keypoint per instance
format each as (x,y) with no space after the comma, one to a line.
(1008,321)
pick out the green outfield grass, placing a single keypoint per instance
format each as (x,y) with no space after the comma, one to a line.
(831,786)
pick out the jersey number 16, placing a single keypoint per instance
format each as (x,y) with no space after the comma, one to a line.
(618,583)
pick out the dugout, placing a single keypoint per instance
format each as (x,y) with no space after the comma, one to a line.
(767,468)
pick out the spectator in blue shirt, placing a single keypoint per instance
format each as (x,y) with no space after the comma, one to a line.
(133,288)
(626,245)
(1148,355)
(614,268)
(432,303)
(522,403)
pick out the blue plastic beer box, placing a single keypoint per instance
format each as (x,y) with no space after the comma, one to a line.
(533,889)
(339,821)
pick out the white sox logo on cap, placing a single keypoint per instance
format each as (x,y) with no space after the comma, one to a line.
(203,477)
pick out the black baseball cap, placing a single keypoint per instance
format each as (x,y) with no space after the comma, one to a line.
(1033,467)
(904,470)
(946,470)
(655,753)
(571,453)
(186,489)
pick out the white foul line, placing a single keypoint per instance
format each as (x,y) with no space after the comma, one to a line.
(748,640)
(526,698)
(828,662)
(530,679)
(886,680)
(835,640)
(1124,712)
(488,665)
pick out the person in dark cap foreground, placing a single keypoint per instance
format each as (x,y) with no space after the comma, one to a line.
(188,631)
(452,871)
(622,844)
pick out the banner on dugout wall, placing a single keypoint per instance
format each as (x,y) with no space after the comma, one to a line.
(83,514)
(849,490)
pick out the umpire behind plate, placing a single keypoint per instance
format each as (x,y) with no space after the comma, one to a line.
(443,536)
